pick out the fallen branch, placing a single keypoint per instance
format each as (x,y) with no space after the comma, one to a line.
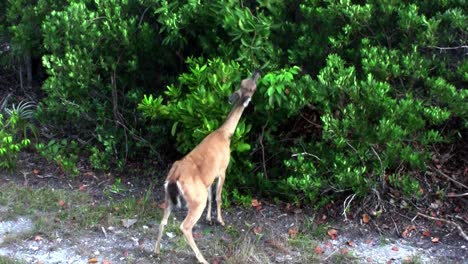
(453,195)
(346,205)
(452,179)
(462,233)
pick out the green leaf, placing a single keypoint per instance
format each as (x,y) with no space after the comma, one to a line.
(241,147)
(174,128)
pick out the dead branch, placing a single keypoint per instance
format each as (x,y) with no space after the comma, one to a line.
(462,233)
(452,179)
(346,204)
(454,195)
(305,154)
(263,150)
(448,48)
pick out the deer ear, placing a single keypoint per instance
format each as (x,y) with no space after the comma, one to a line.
(234,97)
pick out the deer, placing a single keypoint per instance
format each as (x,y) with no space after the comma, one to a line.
(192,177)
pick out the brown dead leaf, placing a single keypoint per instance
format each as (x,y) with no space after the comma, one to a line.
(38,238)
(256,204)
(435,240)
(276,244)
(344,251)
(395,248)
(408,230)
(257,230)
(365,218)
(350,243)
(407,259)
(318,250)
(61,203)
(82,187)
(426,233)
(197,235)
(332,233)
(162,205)
(36,171)
(92,260)
(292,232)
(88,174)
(106,261)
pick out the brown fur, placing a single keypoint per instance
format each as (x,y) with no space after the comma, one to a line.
(192,176)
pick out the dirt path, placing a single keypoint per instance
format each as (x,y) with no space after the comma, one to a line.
(47,218)
(236,244)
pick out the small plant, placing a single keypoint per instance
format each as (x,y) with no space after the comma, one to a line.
(15,127)
(62,153)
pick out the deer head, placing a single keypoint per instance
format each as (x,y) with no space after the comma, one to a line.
(247,89)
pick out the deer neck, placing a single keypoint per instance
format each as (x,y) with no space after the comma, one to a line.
(229,126)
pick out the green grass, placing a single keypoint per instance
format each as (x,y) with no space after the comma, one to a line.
(52,209)
(7,260)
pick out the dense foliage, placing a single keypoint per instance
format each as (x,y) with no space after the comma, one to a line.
(353,97)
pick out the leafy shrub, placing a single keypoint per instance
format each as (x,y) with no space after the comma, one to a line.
(95,80)
(15,129)
(353,97)
(62,153)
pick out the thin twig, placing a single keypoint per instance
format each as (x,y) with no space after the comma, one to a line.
(305,154)
(461,218)
(143,15)
(462,233)
(311,122)
(346,204)
(382,175)
(453,195)
(396,227)
(452,179)
(331,254)
(448,48)
(263,150)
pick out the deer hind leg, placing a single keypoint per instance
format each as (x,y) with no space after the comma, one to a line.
(209,200)
(167,212)
(219,189)
(195,211)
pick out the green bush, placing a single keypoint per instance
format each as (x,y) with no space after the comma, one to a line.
(354,95)
(15,131)
(92,56)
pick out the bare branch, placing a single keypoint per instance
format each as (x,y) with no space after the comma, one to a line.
(454,195)
(462,233)
(448,48)
(346,204)
(452,179)
(305,154)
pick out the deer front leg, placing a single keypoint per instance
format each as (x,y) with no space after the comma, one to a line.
(219,189)
(209,200)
